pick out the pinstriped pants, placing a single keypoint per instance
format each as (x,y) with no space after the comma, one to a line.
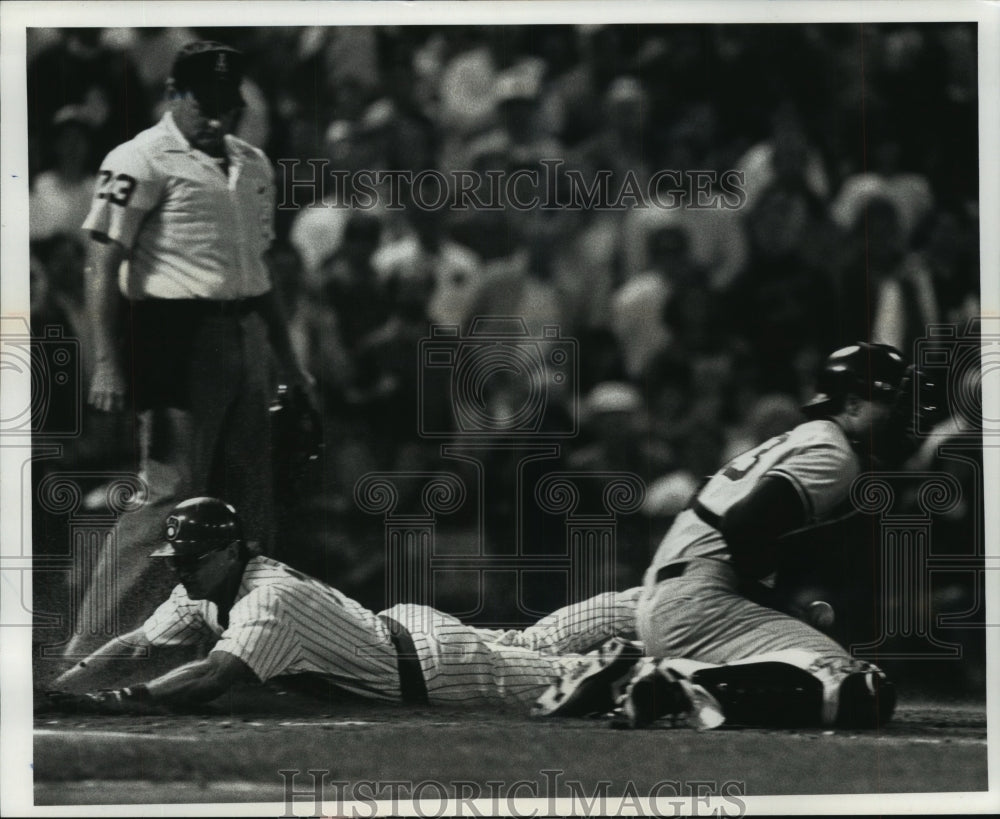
(465,664)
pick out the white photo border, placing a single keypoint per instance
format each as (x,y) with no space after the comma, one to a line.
(16,17)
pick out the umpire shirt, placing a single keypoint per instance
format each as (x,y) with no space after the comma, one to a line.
(193,230)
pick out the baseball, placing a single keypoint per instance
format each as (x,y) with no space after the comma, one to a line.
(820,614)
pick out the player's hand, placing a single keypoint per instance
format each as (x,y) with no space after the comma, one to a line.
(107,702)
(303,382)
(71,675)
(107,388)
(62,702)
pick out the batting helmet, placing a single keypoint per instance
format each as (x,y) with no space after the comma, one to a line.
(198,526)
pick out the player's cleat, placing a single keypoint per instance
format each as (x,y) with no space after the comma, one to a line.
(590,687)
(657,691)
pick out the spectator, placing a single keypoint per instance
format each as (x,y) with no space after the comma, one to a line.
(623,144)
(786,156)
(780,304)
(351,289)
(614,415)
(318,224)
(947,256)
(425,248)
(517,283)
(910,193)
(637,309)
(467,85)
(60,196)
(387,385)
(718,236)
(883,298)
(615,424)
(311,327)
(573,102)
(77,69)
(152,49)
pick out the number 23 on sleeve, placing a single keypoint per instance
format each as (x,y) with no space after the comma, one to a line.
(116,188)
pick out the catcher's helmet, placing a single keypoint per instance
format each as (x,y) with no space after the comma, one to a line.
(877,372)
(871,371)
(199,525)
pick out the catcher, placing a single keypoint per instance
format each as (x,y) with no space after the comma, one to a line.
(270,620)
(742,661)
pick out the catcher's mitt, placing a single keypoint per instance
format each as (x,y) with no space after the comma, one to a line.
(296,436)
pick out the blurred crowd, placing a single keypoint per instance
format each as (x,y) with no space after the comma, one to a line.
(697,332)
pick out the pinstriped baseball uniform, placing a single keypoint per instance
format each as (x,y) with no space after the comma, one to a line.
(697,613)
(284,622)
(463,663)
(196,350)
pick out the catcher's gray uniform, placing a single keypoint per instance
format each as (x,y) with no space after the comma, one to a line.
(690,606)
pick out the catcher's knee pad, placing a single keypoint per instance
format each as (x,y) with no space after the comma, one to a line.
(866,700)
(771,694)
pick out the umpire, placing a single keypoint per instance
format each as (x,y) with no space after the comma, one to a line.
(185,321)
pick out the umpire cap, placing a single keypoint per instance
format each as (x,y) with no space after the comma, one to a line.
(199,525)
(212,72)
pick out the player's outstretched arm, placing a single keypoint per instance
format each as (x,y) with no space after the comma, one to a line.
(201,680)
(81,676)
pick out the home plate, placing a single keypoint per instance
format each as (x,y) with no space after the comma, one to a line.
(340,723)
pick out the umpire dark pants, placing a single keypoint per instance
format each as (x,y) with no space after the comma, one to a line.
(201,378)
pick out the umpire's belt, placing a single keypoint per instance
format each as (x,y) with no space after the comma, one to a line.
(411,678)
(199,307)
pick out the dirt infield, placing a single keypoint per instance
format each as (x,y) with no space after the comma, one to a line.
(930,747)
